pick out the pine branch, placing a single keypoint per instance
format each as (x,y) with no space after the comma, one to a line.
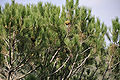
(13,46)
(84,59)
(10,43)
(69,75)
(61,66)
(20,64)
(86,39)
(79,66)
(27,73)
(107,68)
(94,72)
(6,62)
(112,67)
(6,41)
(86,50)
(2,72)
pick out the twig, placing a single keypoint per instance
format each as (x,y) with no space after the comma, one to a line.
(54,55)
(27,73)
(114,65)
(13,46)
(81,64)
(7,64)
(15,60)
(86,39)
(82,73)
(107,68)
(94,72)
(10,46)
(72,66)
(6,41)
(20,64)
(2,72)
(25,59)
(61,66)
(85,50)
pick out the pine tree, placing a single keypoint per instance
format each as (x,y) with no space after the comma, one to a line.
(35,42)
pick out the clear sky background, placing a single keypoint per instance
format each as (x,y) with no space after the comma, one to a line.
(106,10)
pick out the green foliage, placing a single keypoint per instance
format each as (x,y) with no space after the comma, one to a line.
(36,40)
(116,29)
(31,77)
